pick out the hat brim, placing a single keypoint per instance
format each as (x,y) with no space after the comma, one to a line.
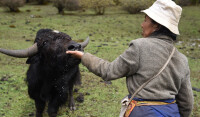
(156,17)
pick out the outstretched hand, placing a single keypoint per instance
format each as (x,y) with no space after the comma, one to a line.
(77,54)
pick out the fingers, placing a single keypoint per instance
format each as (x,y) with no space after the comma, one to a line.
(70,52)
(76,54)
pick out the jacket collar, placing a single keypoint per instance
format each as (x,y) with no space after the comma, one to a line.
(162,37)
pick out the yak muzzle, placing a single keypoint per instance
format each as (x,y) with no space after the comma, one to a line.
(75,47)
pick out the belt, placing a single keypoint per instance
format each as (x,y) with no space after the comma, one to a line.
(134,103)
(148,103)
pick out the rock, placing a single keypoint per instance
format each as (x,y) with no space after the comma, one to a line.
(87,93)
(76,90)
(80,98)
(31,115)
(12,26)
(196,89)
(5,77)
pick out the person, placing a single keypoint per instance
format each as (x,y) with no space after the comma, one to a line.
(171,92)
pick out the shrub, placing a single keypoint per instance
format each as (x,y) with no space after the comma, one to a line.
(135,6)
(187,2)
(117,2)
(183,2)
(60,5)
(42,2)
(13,5)
(195,2)
(28,1)
(70,5)
(98,6)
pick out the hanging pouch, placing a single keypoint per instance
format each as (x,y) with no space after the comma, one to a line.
(124,106)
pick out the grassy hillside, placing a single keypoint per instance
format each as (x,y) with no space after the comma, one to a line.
(109,34)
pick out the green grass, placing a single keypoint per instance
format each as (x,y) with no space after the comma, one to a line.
(109,34)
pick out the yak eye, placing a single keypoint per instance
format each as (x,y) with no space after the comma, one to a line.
(45,42)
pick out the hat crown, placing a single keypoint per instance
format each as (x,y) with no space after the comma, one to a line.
(168,8)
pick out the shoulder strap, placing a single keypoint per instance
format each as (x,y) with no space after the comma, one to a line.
(143,85)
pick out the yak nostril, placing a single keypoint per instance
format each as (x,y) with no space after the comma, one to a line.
(74,47)
(71,47)
(79,46)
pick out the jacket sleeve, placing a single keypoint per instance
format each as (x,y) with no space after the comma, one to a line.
(185,97)
(124,65)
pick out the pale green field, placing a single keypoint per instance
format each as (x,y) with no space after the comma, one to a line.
(109,34)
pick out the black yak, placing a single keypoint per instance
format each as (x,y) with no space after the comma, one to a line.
(52,73)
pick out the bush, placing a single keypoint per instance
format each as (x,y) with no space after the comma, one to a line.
(13,5)
(183,2)
(135,6)
(99,6)
(187,2)
(195,2)
(117,2)
(43,2)
(70,5)
(28,1)
(60,5)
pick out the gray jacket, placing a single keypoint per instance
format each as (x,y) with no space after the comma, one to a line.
(142,60)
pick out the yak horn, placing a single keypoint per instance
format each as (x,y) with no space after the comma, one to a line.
(85,43)
(21,53)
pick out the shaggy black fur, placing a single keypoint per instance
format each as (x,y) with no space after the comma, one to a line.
(52,73)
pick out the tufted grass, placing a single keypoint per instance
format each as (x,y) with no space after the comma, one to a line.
(109,34)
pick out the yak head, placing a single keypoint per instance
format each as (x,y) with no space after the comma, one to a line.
(49,48)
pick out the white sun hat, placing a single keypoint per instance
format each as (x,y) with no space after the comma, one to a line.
(166,13)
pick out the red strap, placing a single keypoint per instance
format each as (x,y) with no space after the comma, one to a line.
(131,106)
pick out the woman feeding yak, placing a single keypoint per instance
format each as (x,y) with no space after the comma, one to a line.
(169,94)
